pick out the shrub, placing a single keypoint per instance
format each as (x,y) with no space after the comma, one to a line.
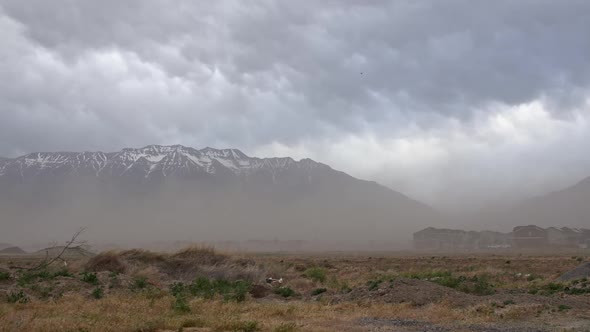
(90,278)
(230,290)
(180,304)
(4,276)
(508,302)
(177,288)
(29,276)
(140,282)
(98,293)
(563,307)
(19,297)
(318,291)
(374,284)
(316,274)
(284,292)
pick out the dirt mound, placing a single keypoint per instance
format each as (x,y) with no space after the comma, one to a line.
(580,272)
(199,255)
(12,251)
(190,263)
(107,261)
(403,290)
(260,291)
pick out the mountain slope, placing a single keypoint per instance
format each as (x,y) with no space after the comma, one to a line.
(179,193)
(567,207)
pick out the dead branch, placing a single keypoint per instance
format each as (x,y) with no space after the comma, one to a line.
(46,262)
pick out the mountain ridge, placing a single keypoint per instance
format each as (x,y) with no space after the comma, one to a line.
(220,194)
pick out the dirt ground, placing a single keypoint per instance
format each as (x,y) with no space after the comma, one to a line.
(199,289)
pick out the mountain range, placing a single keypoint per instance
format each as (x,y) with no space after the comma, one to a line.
(177,192)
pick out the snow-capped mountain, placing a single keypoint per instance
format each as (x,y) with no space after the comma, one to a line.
(176,192)
(146,162)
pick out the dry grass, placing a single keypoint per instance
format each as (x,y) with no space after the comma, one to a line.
(151,307)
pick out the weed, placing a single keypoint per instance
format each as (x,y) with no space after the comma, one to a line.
(284,292)
(181,305)
(98,293)
(508,302)
(206,288)
(192,323)
(316,274)
(374,284)
(563,307)
(89,277)
(19,297)
(4,276)
(140,282)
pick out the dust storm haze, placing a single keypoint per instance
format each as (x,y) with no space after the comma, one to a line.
(413,114)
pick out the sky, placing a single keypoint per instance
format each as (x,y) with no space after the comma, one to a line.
(457,103)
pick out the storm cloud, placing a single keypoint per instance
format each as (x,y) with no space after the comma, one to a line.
(453,102)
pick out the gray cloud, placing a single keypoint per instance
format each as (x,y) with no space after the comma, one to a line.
(285,78)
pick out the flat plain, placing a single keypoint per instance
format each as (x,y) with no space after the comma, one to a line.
(200,289)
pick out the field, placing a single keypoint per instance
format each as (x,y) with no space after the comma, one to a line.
(199,289)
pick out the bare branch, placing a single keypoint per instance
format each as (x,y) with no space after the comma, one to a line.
(46,262)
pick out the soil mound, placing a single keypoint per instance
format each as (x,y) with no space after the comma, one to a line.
(403,290)
(107,261)
(580,272)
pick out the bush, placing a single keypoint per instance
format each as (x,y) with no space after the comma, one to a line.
(316,274)
(284,292)
(107,261)
(19,297)
(318,291)
(90,278)
(374,284)
(230,290)
(563,307)
(29,276)
(140,282)
(98,293)
(180,304)
(4,276)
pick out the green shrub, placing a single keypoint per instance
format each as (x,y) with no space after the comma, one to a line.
(180,304)
(19,297)
(4,276)
(318,291)
(316,274)
(98,293)
(563,307)
(140,282)
(374,284)
(230,290)
(177,288)
(89,277)
(284,292)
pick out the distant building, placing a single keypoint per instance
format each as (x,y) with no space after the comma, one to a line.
(452,239)
(530,236)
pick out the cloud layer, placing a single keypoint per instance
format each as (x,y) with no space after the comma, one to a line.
(452,102)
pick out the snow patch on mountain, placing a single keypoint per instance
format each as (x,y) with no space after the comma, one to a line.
(165,160)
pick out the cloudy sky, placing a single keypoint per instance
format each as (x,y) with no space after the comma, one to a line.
(455,102)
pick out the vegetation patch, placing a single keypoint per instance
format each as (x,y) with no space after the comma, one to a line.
(316,274)
(285,292)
